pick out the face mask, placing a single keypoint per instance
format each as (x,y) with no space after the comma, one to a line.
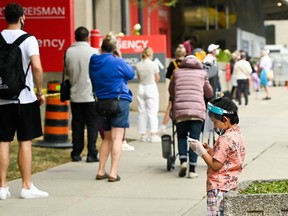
(219,131)
(217,52)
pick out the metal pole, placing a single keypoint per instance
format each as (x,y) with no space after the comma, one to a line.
(207,15)
(216,14)
(140,15)
(94,14)
(123,17)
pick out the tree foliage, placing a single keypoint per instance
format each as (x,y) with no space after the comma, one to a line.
(154,3)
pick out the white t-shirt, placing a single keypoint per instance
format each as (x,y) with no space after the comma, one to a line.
(266,63)
(29,47)
(210,58)
(242,69)
(146,70)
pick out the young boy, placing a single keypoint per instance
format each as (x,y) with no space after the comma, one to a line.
(226,158)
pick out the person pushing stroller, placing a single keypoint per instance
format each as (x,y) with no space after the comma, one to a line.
(187,88)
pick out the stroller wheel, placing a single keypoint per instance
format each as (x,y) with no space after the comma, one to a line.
(169,163)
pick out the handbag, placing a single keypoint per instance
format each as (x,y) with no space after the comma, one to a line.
(65,90)
(108,107)
(64,86)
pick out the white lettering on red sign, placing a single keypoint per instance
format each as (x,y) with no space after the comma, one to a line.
(132,44)
(44,12)
(51,43)
(41,12)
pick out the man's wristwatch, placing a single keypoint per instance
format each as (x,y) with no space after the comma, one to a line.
(39,94)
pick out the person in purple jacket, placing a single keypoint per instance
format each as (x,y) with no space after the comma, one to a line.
(109,75)
(188,88)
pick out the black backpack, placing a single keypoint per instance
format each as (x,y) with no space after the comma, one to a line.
(12,76)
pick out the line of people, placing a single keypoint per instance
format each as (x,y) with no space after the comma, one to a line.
(106,77)
(243,71)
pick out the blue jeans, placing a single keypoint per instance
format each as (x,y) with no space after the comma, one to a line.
(191,128)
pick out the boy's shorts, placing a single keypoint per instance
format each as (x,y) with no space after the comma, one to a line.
(25,119)
(121,120)
(215,202)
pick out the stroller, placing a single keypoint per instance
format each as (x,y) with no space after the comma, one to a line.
(168,141)
(168,146)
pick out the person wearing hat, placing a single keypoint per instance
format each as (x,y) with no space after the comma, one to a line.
(213,51)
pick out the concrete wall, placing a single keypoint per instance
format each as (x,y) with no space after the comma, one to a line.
(83,13)
(108,16)
(280,31)
(251,43)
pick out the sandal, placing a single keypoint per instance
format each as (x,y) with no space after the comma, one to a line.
(101,177)
(112,179)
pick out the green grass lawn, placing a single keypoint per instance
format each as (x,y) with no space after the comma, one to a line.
(43,158)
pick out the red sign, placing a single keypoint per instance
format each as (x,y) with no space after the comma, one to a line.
(52,23)
(136,44)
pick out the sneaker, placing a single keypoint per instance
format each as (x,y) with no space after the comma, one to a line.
(155,139)
(162,128)
(143,138)
(90,159)
(4,193)
(182,170)
(33,192)
(267,98)
(192,175)
(127,147)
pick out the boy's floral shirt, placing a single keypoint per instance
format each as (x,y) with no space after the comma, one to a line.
(229,149)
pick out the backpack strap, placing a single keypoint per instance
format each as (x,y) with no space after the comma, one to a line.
(17,42)
(175,65)
(2,40)
(20,39)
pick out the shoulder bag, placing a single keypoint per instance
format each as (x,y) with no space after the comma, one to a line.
(64,86)
(108,107)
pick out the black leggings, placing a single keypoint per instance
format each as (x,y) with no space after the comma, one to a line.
(242,87)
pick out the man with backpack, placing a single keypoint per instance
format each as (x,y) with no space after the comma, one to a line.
(19,105)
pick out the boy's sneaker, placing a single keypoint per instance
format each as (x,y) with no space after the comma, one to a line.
(4,193)
(127,147)
(33,192)
(183,169)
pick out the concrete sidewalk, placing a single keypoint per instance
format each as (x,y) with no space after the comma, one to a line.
(146,187)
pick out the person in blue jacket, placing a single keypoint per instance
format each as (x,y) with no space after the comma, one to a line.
(109,75)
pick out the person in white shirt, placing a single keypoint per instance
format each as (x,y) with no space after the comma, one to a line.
(264,67)
(77,58)
(148,96)
(21,117)
(242,70)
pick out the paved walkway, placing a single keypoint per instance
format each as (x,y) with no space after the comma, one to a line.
(146,187)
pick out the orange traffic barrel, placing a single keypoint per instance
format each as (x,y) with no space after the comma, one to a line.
(56,129)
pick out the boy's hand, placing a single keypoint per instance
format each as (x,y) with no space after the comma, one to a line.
(196,146)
